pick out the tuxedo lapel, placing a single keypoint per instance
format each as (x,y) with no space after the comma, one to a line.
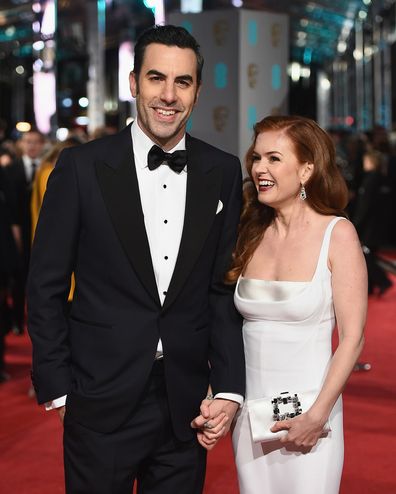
(202,197)
(119,185)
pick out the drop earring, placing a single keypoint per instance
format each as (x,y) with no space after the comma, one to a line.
(303,194)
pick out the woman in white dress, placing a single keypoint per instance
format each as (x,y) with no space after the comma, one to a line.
(299,271)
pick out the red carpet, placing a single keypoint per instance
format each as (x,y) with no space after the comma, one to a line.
(30,438)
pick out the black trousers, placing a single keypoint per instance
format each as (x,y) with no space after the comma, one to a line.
(143,449)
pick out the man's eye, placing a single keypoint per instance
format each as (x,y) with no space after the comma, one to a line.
(183,83)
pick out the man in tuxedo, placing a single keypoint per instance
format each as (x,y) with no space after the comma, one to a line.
(146,219)
(21,175)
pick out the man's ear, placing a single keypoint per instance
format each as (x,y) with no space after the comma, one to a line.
(133,84)
(306,172)
(197,93)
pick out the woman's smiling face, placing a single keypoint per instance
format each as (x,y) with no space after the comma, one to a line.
(276,171)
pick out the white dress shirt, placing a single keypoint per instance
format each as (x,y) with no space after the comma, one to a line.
(29,169)
(163,199)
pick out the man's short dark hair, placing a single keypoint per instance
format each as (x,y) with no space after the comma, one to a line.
(170,36)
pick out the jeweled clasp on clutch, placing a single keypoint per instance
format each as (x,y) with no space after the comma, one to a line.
(286,406)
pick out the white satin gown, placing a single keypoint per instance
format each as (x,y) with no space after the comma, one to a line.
(287,334)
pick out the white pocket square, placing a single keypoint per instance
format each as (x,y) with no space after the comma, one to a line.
(219,207)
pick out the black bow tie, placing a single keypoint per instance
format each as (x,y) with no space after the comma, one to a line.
(176,160)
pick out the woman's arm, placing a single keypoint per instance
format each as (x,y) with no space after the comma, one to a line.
(349,286)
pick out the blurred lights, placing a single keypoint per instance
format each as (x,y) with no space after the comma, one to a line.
(10,31)
(368,51)
(367,2)
(357,54)
(301,38)
(191,6)
(83,102)
(237,3)
(67,102)
(36,27)
(295,71)
(341,47)
(149,4)
(49,19)
(110,105)
(62,134)
(38,45)
(20,69)
(125,64)
(82,120)
(325,84)
(362,15)
(23,126)
(157,6)
(38,65)
(304,22)
(36,7)
(44,99)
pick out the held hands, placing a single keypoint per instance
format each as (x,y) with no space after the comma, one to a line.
(215,421)
(303,430)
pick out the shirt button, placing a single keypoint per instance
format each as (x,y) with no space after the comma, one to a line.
(166,258)
(165,292)
(165,221)
(164,186)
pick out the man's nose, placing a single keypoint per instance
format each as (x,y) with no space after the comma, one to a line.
(168,92)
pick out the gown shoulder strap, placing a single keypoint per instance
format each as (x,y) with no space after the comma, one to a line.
(324,251)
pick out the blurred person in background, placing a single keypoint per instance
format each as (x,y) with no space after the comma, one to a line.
(40,185)
(10,244)
(21,174)
(6,158)
(43,172)
(368,218)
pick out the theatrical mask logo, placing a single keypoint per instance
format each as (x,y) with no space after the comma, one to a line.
(220,32)
(220,117)
(276,32)
(252,74)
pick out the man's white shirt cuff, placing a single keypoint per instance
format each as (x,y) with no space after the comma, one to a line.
(231,397)
(57,403)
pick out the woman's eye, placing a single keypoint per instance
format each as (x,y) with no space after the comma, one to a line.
(273,158)
(255,157)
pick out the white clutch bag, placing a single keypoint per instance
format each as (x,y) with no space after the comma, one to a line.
(264,412)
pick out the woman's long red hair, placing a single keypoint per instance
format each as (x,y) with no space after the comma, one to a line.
(326,189)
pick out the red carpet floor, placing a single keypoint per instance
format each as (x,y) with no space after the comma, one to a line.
(30,438)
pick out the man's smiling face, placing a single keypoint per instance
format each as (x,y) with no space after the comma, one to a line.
(166,92)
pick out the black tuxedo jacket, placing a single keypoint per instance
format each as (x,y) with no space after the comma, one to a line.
(102,352)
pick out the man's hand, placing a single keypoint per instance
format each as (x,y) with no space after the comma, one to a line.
(61,411)
(215,421)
